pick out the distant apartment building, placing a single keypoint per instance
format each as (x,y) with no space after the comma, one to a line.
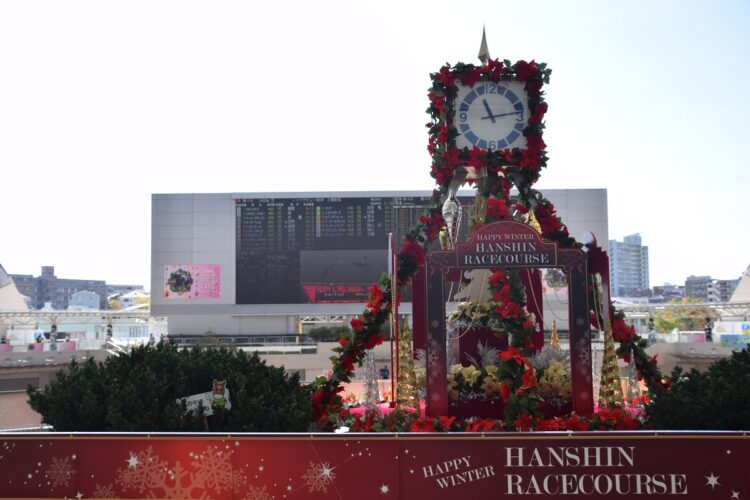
(721,290)
(668,292)
(58,291)
(628,267)
(696,287)
(84,300)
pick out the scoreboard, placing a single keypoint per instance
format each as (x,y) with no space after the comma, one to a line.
(317,250)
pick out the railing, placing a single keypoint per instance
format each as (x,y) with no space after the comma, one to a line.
(244,340)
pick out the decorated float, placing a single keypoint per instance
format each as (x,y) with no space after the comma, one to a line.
(486,401)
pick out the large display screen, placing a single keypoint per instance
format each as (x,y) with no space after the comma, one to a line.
(317,250)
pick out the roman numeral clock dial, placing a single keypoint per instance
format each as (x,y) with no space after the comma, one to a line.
(491,115)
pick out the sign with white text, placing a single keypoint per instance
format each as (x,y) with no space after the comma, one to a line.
(209,400)
(444,466)
(506,244)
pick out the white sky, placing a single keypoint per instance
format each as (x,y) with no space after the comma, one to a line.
(103,103)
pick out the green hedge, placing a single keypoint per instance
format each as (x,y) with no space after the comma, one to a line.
(717,399)
(138,391)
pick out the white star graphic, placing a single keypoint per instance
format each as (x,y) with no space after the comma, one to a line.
(384,489)
(289,488)
(735,495)
(79,495)
(326,471)
(260,468)
(713,481)
(132,461)
(411,471)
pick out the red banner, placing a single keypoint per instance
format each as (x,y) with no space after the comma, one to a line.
(376,466)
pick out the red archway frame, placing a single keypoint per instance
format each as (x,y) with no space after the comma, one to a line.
(440,263)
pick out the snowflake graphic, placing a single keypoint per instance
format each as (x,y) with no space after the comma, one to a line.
(181,485)
(257,493)
(148,467)
(214,470)
(318,477)
(584,356)
(212,473)
(104,491)
(60,472)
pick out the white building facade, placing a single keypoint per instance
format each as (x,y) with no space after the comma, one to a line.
(628,267)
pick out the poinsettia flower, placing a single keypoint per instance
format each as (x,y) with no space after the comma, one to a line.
(511,353)
(358,324)
(622,332)
(471,76)
(524,422)
(414,250)
(525,70)
(442,136)
(497,209)
(446,422)
(422,425)
(445,76)
(528,379)
(504,389)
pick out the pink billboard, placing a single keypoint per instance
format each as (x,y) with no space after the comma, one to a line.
(192,281)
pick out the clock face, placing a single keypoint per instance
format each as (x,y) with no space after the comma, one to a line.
(491,115)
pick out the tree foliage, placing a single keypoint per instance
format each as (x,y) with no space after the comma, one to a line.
(716,399)
(684,319)
(139,391)
(328,333)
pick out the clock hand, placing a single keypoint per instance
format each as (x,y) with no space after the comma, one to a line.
(492,117)
(489,111)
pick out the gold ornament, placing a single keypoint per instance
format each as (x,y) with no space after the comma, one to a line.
(533,222)
(610,387)
(443,237)
(406,392)
(554,340)
(479,207)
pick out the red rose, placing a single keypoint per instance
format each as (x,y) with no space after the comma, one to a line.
(357,324)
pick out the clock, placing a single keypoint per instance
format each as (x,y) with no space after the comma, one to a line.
(491,115)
